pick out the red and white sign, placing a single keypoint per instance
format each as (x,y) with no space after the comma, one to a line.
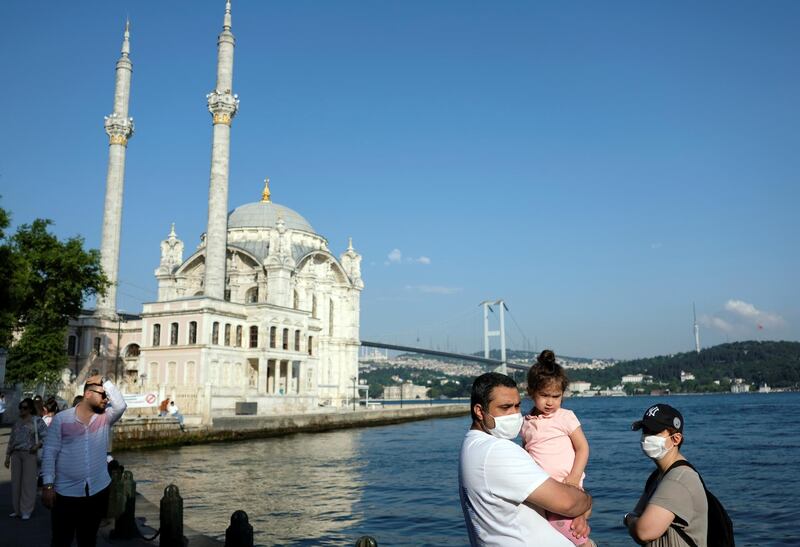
(141,400)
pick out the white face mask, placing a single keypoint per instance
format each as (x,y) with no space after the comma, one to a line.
(506,427)
(655,446)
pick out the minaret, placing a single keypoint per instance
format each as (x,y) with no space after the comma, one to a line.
(222,104)
(119,128)
(696,331)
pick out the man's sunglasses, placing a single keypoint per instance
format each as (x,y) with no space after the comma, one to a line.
(102,394)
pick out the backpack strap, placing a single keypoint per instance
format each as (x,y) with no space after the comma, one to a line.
(680,531)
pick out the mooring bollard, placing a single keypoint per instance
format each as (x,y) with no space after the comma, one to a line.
(116,491)
(240,532)
(125,523)
(172,518)
(366,541)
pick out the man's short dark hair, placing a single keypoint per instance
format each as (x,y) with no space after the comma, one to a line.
(482,389)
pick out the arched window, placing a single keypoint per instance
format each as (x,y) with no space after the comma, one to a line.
(173,334)
(238,336)
(227,334)
(251,296)
(285,339)
(254,336)
(297,340)
(227,295)
(132,350)
(193,332)
(153,378)
(330,319)
(98,343)
(272,336)
(157,334)
(215,333)
(72,344)
(311,345)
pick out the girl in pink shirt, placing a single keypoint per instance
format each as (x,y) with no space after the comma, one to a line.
(553,435)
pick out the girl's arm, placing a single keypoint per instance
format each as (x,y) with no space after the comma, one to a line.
(581,446)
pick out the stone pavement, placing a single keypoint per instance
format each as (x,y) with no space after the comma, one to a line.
(36,531)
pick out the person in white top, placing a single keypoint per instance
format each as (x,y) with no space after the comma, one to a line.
(503,491)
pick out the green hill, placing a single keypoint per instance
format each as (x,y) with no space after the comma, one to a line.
(774,363)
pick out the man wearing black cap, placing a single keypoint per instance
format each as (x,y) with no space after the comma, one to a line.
(673,505)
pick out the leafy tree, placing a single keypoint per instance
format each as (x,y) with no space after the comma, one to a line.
(44,283)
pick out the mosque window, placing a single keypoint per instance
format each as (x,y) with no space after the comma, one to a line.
(215,333)
(227,295)
(97,344)
(285,339)
(173,334)
(238,336)
(193,332)
(273,334)
(227,334)
(156,334)
(72,344)
(330,319)
(254,336)
(251,296)
(132,351)
(311,345)
(297,340)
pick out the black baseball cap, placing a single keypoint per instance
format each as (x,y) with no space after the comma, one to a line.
(659,417)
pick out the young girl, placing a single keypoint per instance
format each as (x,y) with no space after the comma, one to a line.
(553,435)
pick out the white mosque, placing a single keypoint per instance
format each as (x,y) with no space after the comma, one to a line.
(261,312)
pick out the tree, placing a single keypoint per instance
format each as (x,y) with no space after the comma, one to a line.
(44,283)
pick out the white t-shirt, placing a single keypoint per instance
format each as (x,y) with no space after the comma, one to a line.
(495,476)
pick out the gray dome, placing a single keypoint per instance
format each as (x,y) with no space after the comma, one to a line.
(264,214)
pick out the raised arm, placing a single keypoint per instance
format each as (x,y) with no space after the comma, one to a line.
(118,404)
(560,498)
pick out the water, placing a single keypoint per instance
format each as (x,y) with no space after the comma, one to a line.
(399,483)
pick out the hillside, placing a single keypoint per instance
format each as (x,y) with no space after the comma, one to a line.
(774,363)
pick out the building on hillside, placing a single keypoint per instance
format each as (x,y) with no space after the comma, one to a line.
(636,379)
(261,311)
(579,386)
(405,390)
(686,376)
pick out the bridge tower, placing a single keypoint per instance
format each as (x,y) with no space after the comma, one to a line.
(501,332)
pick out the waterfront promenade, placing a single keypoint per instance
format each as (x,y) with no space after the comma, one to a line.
(35,532)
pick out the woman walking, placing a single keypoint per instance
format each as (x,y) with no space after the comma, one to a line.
(25,440)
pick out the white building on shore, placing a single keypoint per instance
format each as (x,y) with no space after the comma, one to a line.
(262,311)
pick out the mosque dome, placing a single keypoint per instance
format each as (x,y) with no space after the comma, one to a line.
(265,214)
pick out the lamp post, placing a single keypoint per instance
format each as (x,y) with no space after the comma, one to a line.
(119,335)
(354,392)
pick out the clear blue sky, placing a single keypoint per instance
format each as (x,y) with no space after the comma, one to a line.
(599,165)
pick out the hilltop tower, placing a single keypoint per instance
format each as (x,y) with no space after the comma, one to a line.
(223,105)
(696,331)
(119,128)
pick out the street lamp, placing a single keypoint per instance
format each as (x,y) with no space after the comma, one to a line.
(353,378)
(119,335)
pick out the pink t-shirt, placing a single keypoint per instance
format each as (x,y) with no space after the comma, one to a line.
(547,441)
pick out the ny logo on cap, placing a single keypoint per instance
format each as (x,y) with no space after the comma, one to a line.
(652,411)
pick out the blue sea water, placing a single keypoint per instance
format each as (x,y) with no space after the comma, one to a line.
(399,483)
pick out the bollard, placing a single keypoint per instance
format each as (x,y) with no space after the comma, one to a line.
(240,532)
(125,523)
(172,518)
(366,541)
(116,491)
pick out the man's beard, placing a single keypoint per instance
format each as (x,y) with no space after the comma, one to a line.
(97,409)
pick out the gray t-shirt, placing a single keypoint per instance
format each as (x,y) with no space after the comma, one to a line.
(680,492)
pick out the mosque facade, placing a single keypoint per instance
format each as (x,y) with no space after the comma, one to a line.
(261,311)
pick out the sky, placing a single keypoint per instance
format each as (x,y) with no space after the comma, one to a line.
(600,166)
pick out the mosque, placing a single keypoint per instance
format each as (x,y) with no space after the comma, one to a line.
(261,312)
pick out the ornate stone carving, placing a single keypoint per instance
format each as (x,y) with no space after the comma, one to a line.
(223,106)
(118,128)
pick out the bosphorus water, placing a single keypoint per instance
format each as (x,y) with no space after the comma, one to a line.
(399,483)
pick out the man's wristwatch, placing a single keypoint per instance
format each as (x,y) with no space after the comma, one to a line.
(48,486)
